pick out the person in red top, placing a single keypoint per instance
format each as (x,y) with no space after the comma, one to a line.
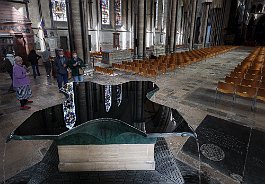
(67,54)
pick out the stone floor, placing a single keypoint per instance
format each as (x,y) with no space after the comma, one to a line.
(190,90)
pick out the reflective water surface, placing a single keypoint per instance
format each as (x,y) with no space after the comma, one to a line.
(128,102)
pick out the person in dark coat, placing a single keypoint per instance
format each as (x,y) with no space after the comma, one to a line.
(76,65)
(46,56)
(6,66)
(33,58)
(61,64)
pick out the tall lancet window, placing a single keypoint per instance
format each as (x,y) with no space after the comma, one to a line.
(108,94)
(156,15)
(118,12)
(105,12)
(58,10)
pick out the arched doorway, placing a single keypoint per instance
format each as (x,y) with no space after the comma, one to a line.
(259,31)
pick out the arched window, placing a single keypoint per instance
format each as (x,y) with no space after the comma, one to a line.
(105,12)
(117,9)
(110,8)
(58,10)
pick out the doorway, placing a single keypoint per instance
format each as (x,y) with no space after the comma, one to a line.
(64,42)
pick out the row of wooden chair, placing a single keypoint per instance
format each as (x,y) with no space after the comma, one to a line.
(247,79)
(253,62)
(168,63)
(103,70)
(241,90)
(245,82)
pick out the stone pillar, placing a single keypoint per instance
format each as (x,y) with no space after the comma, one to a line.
(138,110)
(173,25)
(219,25)
(193,17)
(135,23)
(141,28)
(168,30)
(79,29)
(203,30)
(182,25)
(160,22)
(186,22)
(177,25)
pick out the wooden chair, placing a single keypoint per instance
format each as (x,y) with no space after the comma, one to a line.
(246,92)
(260,96)
(151,73)
(226,88)
(97,68)
(122,67)
(143,71)
(128,68)
(252,77)
(162,69)
(237,75)
(239,69)
(250,83)
(256,66)
(253,72)
(135,69)
(154,67)
(232,80)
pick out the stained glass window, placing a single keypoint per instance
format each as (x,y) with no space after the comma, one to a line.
(69,106)
(108,94)
(59,10)
(119,94)
(118,12)
(105,12)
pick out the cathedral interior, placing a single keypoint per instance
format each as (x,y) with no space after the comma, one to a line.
(169,91)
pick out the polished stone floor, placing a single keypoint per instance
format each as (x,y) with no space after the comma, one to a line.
(190,90)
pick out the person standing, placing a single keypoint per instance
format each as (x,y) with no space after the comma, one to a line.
(33,58)
(46,56)
(21,83)
(10,57)
(61,63)
(6,66)
(67,54)
(76,65)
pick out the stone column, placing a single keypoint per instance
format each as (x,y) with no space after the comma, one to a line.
(193,17)
(79,31)
(182,25)
(173,25)
(141,28)
(219,25)
(138,110)
(205,15)
(168,27)
(186,23)
(134,26)
(177,25)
